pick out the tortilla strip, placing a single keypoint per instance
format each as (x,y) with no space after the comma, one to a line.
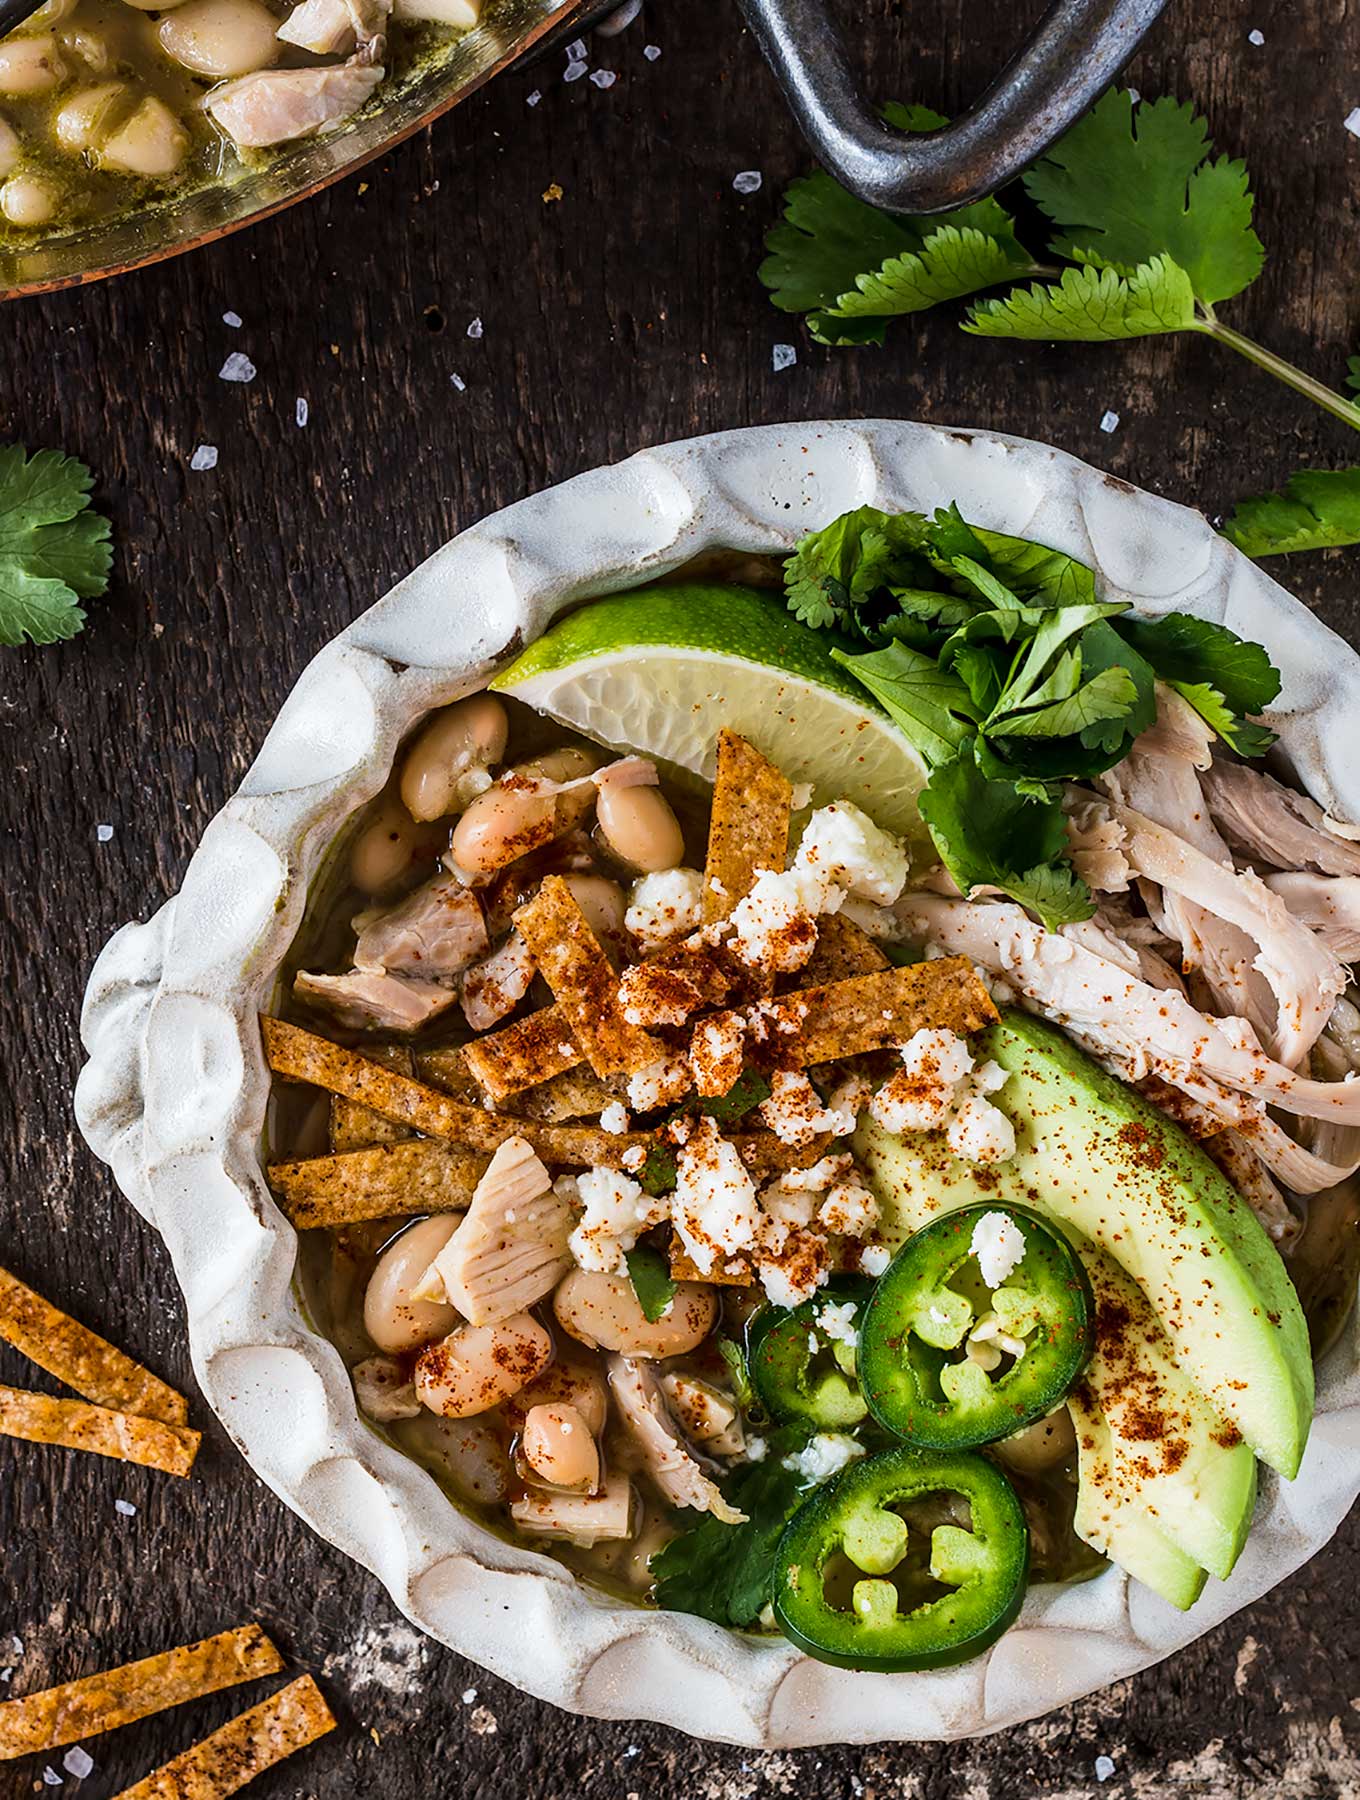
(682,1269)
(843,949)
(244,1747)
(99,1703)
(525,1054)
(76,1425)
(748,826)
(381,1181)
(446,1067)
(84,1361)
(572,961)
(574,1094)
(870,1012)
(353,1127)
(299,1055)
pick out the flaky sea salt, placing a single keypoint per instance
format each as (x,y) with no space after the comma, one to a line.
(78,1762)
(784,356)
(50,1777)
(237,367)
(301,412)
(576,50)
(1352,121)
(1104,1768)
(232,319)
(534,98)
(603,78)
(475,328)
(651,51)
(1109,421)
(573,71)
(469,1695)
(126,1508)
(459,383)
(748,181)
(1256,37)
(103,834)
(203,458)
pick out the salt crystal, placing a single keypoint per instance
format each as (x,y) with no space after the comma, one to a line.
(784,357)
(1256,37)
(103,834)
(1104,1768)
(534,98)
(748,181)
(233,319)
(469,1695)
(301,411)
(651,51)
(1109,421)
(573,71)
(1352,121)
(237,368)
(203,458)
(576,50)
(128,1510)
(475,329)
(604,78)
(459,383)
(78,1762)
(50,1777)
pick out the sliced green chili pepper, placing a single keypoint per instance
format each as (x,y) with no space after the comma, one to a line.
(799,1370)
(868,1576)
(1016,1351)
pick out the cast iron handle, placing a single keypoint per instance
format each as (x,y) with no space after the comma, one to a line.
(1078,47)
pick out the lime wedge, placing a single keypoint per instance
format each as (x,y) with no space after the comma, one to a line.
(661,669)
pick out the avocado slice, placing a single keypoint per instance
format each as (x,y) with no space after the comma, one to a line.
(1167,1487)
(1093,1154)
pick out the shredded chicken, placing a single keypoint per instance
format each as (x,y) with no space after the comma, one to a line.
(384,1390)
(674,1468)
(1269,822)
(583,1519)
(434,932)
(274,106)
(511,1249)
(496,985)
(1328,904)
(368,998)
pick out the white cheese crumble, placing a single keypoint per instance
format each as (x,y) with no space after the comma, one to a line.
(615,1214)
(874,1259)
(837,1321)
(999,1246)
(665,906)
(843,845)
(775,926)
(980,1132)
(796,1114)
(824,1456)
(715,1052)
(714,1207)
(614,1118)
(789,1284)
(756,1449)
(661,1083)
(849,1210)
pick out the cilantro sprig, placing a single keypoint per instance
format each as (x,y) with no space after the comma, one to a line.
(998,662)
(1151,233)
(54,552)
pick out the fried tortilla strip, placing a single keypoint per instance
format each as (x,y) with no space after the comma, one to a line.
(748,826)
(299,1055)
(99,1703)
(870,1012)
(765,1156)
(353,1127)
(525,1054)
(572,961)
(76,1425)
(843,949)
(244,1747)
(574,1094)
(85,1362)
(381,1181)
(446,1067)
(682,1269)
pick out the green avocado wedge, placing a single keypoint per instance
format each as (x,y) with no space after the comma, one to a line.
(1097,1158)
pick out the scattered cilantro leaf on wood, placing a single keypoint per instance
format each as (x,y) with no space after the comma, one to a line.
(652,1282)
(54,551)
(1318,509)
(1092,305)
(726,1572)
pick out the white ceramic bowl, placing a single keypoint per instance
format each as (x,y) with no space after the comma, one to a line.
(174,1094)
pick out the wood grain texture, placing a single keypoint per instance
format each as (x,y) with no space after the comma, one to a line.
(623,314)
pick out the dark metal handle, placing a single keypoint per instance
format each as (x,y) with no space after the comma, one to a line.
(1078,47)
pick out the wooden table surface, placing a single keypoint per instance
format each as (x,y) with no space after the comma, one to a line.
(622,314)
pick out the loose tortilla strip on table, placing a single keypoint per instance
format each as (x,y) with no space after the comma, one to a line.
(525,1054)
(573,962)
(76,1425)
(843,949)
(81,1359)
(748,825)
(103,1702)
(244,1747)
(870,1012)
(381,1181)
(354,1127)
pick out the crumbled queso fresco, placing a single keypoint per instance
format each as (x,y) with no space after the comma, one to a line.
(824,1456)
(938,1088)
(999,1246)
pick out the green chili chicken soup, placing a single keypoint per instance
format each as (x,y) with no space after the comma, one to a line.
(785,1118)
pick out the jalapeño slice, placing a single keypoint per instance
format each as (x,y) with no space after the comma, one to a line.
(947,1363)
(909,1560)
(800,1371)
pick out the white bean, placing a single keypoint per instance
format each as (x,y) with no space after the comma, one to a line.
(640,827)
(476,1367)
(603,903)
(87,47)
(393,1320)
(604,1312)
(560,1448)
(568,1382)
(85,118)
(52,13)
(26,200)
(221,37)
(1040,1446)
(469,735)
(384,850)
(509,819)
(11,147)
(30,65)
(151,142)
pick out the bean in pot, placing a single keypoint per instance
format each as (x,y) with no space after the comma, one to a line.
(510,819)
(468,735)
(639,826)
(604,1312)
(151,142)
(567,1382)
(224,38)
(560,1448)
(476,1367)
(11,147)
(384,850)
(27,200)
(603,903)
(393,1320)
(30,65)
(85,118)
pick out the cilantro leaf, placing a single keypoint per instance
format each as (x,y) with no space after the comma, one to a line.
(1034,572)
(990,835)
(834,575)
(738,1369)
(1127,188)
(1108,695)
(53,550)
(928,704)
(826,239)
(1238,734)
(650,1275)
(746,1092)
(951,263)
(1189,651)
(1091,305)
(658,1174)
(726,1572)
(1103,648)
(1317,509)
